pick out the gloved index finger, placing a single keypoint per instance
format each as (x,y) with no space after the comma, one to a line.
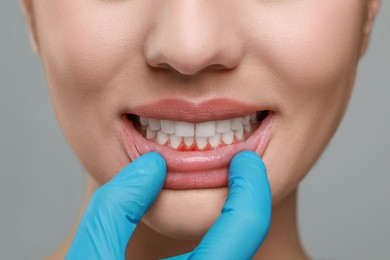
(137,185)
(246,216)
(116,208)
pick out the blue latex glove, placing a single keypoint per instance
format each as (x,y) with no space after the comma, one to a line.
(115,209)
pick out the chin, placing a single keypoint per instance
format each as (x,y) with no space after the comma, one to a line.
(185,214)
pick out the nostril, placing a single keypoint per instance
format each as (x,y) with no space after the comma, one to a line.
(164,66)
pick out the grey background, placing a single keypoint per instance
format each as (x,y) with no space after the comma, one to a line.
(344,208)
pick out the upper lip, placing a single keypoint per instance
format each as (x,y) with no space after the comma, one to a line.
(182,110)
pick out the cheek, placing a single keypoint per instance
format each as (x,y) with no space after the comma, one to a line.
(311,43)
(311,49)
(87,44)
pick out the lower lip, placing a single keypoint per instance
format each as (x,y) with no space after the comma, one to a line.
(198,169)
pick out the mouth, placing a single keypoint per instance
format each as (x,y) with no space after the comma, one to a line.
(196,140)
(203,136)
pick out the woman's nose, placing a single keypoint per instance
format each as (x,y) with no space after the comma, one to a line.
(192,36)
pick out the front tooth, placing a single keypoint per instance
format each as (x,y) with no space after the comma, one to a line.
(248,128)
(205,129)
(162,138)
(239,134)
(168,126)
(188,140)
(227,138)
(154,124)
(201,142)
(175,141)
(237,123)
(215,140)
(223,126)
(253,118)
(144,121)
(184,129)
(150,133)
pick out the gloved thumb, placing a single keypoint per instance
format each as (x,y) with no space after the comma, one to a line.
(246,216)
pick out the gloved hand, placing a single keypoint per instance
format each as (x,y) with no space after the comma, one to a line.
(116,207)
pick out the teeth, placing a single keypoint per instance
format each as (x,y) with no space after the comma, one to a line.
(213,133)
(201,142)
(144,121)
(150,133)
(223,126)
(206,129)
(188,140)
(227,138)
(184,129)
(215,140)
(248,128)
(175,141)
(168,126)
(162,138)
(253,118)
(237,123)
(239,134)
(154,124)
(246,120)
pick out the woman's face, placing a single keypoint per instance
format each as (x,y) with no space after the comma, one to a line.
(190,62)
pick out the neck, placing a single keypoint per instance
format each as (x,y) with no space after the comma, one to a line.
(282,241)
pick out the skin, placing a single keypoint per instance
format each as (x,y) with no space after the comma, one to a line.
(298,58)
